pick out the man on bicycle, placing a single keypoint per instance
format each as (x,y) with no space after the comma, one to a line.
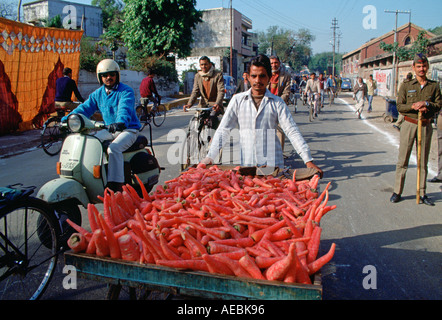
(116,102)
(209,85)
(64,87)
(148,90)
(313,88)
(302,85)
(257,113)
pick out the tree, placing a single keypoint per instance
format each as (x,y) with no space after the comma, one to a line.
(321,62)
(110,9)
(436,30)
(159,27)
(7,10)
(408,52)
(291,47)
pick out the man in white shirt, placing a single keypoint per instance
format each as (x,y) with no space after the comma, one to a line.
(257,113)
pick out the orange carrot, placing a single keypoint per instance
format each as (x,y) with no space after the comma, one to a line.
(91,214)
(313,244)
(302,275)
(79,229)
(101,245)
(233,265)
(215,267)
(194,246)
(77,242)
(129,248)
(192,264)
(264,262)
(257,235)
(168,252)
(278,270)
(114,249)
(249,264)
(316,265)
(143,188)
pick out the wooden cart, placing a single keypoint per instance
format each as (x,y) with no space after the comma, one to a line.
(200,284)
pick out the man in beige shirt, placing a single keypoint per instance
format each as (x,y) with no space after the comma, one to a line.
(371,87)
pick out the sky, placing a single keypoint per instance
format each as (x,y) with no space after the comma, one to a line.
(358,21)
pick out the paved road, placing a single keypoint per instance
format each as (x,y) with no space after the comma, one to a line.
(384,250)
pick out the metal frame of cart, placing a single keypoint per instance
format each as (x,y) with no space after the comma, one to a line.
(188,283)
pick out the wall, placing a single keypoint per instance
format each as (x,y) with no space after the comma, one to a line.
(184,64)
(71,14)
(88,83)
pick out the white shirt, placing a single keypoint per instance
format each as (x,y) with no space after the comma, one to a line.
(313,86)
(259,143)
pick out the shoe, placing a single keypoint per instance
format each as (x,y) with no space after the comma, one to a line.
(316,115)
(395,198)
(396,127)
(435,180)
(425,200)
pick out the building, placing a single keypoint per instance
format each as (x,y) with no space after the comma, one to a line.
(73,15)
(371,59)
(212,38)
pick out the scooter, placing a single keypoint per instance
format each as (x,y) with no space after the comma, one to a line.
(82,169)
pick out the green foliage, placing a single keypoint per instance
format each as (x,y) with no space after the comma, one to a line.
(111,9)
(436,30)
(291,47)
(55,22)
(408,52)
(321,61)
(159,27)
(91,54)
(159,66)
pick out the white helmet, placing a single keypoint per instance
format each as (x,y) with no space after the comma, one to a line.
(107,65)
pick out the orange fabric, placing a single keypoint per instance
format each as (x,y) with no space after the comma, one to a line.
(32,58)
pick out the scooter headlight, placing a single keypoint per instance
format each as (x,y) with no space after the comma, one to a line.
(75,123)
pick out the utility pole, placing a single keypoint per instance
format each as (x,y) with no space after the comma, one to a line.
(334,27)
(394,44)
(231,39)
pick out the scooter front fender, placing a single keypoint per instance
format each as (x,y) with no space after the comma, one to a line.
(62,189)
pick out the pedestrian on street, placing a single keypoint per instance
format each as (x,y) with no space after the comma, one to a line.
(371,87)
(257,113)
(243,85)
(360,92)
(148,90)
(279,85)
(64,87)
(418,95)
(438,177)
(209,85)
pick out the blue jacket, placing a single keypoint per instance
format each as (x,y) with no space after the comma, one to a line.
(118,106)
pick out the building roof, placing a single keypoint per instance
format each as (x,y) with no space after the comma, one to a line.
(386,35)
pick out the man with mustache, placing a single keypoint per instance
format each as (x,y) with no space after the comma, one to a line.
(257,113)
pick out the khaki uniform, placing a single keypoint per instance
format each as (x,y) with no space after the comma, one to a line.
(409,93)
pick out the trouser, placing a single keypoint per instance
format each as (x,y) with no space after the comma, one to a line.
(121,141)
(281,136)
(439,150)
(370,101)
(408,137)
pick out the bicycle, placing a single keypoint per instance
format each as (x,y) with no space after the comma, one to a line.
(199,135)
(29,244)
(146,113)
(53,133)
(313,106)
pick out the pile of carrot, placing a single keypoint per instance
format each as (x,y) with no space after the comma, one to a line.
(214,220)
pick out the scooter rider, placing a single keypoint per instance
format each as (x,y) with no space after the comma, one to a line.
(116,102)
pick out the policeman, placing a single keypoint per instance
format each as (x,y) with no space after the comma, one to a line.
(418,95)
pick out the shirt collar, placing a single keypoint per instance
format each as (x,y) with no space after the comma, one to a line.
(114,88)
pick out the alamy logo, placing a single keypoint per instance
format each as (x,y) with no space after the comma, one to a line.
(70,20)
(370,20)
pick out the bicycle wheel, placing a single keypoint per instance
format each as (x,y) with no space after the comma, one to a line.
(52,136)
(159,115)
(142,116)
(28,255)
(205,137)
(190,150)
